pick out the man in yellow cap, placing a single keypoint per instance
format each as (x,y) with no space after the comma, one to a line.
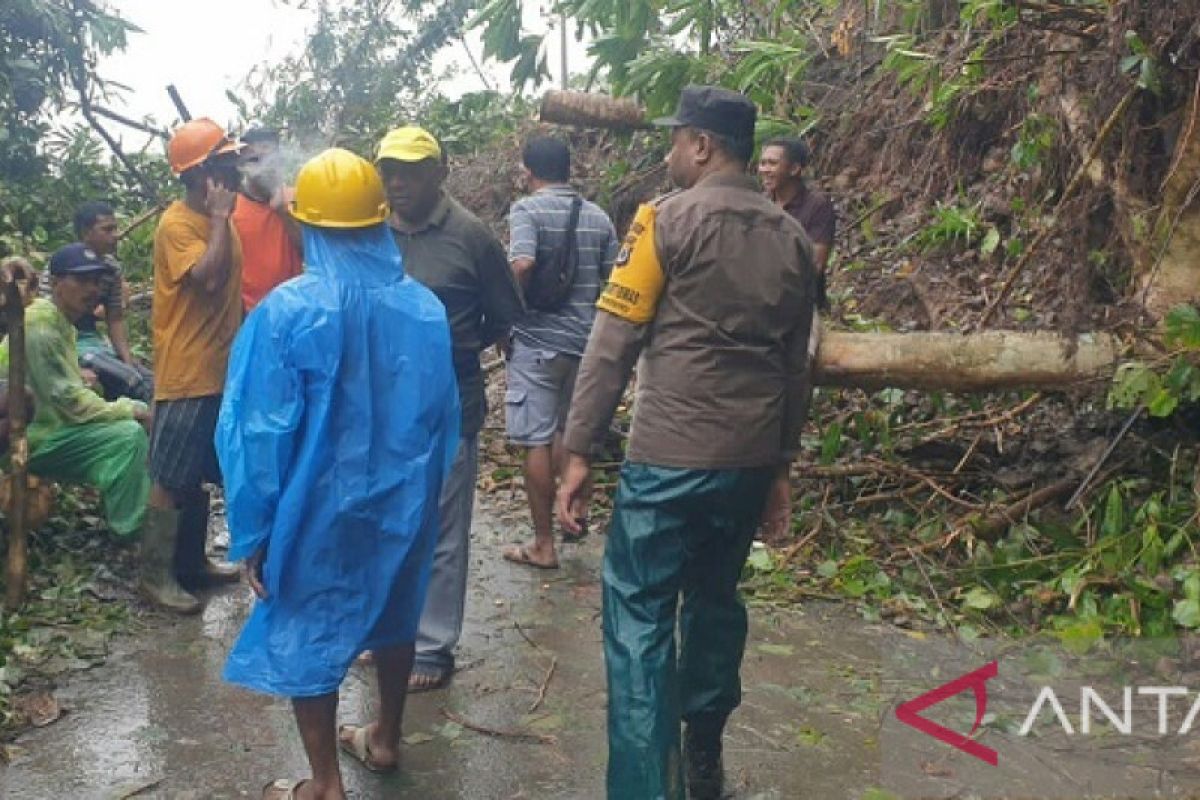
(339,423)
(197,310)
(449,250)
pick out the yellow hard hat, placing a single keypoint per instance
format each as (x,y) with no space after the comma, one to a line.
(409,143)
(338,189)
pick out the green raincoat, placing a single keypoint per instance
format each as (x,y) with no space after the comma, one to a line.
(76,436)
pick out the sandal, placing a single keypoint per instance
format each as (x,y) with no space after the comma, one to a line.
(519,554)
(282,789)
(574,538)
(355,746)
(434,678)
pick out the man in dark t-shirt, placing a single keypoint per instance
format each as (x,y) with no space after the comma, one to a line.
(781,169)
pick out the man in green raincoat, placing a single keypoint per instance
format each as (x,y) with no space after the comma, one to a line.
(76,436)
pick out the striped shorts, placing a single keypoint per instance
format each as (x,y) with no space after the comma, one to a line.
(182,454)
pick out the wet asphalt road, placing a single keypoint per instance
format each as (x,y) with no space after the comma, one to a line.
(156,720)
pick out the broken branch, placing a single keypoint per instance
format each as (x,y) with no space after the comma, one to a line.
(541,695)
(499,733)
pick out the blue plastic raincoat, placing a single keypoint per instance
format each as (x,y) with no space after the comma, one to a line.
(339,423)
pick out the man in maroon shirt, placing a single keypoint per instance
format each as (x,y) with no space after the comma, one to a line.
(781,169)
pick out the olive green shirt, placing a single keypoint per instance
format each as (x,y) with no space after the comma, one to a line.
(724,378)
(61,398)
(455,256)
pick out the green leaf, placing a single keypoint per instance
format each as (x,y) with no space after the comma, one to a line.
(831,443)
(760,559)
(878,794)
(1113,522)
(1163,404)
(1183,327)
(1081,636)
(980,598)
(1186,613)
(827,569)
(777,649)
(990,241)
(810,737)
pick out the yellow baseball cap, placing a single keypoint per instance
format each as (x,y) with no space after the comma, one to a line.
(409,143)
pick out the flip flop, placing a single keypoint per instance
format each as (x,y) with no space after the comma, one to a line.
(574,538)
(282,789)
(440,677)
(357,748)
(520,555)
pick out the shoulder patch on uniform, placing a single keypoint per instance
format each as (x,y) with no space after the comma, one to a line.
(637,279)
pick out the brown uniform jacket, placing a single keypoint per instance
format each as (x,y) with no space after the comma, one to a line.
(722,334)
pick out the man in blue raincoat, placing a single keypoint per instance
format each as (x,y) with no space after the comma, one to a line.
(338,425)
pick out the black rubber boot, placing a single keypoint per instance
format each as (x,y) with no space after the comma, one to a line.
(192,565)
(702,761)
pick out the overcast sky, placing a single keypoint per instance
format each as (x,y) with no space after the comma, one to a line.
(207,46)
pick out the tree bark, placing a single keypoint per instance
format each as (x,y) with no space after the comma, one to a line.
(16,279)
(584,110)
(1170,264)
(982,362)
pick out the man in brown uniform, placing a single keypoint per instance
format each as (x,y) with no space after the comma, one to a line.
(714,289)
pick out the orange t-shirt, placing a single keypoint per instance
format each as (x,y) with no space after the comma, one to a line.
(193,328)
(270,256)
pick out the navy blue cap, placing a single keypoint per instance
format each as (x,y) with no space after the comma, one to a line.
(714,109)
(75,259)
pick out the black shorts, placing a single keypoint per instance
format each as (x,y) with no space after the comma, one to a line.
(182,454)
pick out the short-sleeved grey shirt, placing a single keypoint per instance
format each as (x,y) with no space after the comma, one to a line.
(537,227)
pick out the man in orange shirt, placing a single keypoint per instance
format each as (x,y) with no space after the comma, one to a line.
(197,311)
(270,238)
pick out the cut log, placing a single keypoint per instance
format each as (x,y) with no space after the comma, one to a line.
(982,362)
(584,110)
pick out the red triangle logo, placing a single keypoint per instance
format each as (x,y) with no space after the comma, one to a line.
(910,713)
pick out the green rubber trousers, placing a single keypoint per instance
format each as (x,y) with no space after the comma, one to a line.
(108,455)
(675,533)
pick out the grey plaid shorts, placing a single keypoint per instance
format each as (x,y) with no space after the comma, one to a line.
(182,454)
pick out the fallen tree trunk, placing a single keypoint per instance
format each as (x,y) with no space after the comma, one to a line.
(981,362)
(584,110)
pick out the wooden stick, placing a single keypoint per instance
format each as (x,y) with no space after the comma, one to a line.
(141,219)
(130,123)
(541,695)
(499,733)
(993,526)
(12,272)
(184,114)
(525,636)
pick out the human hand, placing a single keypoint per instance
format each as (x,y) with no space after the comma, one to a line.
(254,575)
(777,512)
(220,200)
(90,378)
(144,415)
(574,493)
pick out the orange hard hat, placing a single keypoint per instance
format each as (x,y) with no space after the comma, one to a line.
(196,140)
